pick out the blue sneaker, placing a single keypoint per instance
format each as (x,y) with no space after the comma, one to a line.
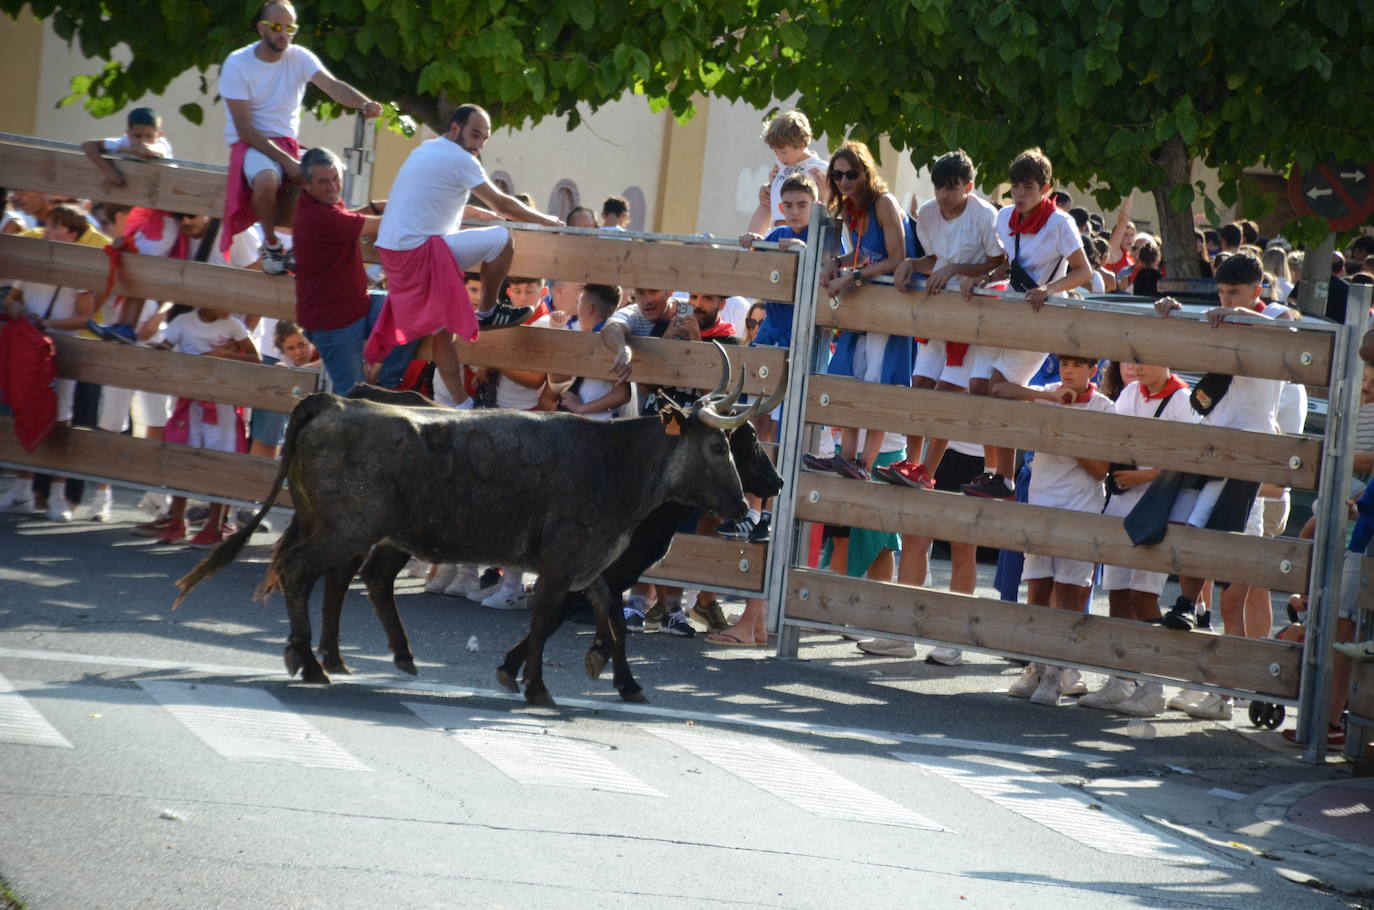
(119,331)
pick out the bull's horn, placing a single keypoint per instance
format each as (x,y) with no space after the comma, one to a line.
(721,421)
(759,408)
(724,373)
(723,405)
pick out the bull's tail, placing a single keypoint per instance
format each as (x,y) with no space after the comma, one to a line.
(229,550)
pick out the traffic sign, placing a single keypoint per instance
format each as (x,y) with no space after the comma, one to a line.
(1342,192)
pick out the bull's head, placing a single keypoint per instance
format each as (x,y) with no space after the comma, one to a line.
(713,478)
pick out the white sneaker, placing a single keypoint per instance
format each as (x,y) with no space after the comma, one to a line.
(506,598)
(1047,693)
(416,568)
(1213,707)
(1071,682)
(463,582)
(98,510)
(58,511)
(1356,650)
(1117,690)
(1028,683)
(441,579)
(155,503)
(1184,699)
(887,647)
(13,502)
(1147,701)
(945,657)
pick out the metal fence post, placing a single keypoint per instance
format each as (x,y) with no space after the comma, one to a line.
(1328,548)
(782,550)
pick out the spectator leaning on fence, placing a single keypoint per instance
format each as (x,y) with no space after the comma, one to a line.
(788,136)
(599,399)
(333,304)
(262,86)
(142,138)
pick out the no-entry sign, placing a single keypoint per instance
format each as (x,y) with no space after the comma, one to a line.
(1342,192)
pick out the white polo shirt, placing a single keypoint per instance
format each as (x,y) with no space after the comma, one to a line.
(1059,480)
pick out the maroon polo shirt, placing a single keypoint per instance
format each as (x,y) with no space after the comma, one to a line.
(331,286)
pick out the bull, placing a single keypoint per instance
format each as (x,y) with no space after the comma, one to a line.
(489,487)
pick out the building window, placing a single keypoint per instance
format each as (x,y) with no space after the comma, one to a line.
(503,182)
(564,199)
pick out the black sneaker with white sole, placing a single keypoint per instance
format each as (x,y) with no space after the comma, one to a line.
(505,316)
(737,530)
(676,623)
(762,533)
(1182,616)
(272,259)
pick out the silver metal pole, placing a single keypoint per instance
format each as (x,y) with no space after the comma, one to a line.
(1328,549)
(359,157)
(783,549)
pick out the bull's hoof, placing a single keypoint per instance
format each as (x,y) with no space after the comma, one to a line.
(336,666)
(595,662)
(315,674)
(634,696)
(507,679)
(540,699)
(407,665)
(292,660)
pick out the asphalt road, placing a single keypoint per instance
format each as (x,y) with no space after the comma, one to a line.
(160,759)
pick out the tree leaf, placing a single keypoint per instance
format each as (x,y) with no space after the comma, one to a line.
(192,112)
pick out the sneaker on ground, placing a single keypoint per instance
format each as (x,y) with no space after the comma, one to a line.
(853,469)
(197,513)
(1047,693)
(634,619)
(1146,701)
(504,316)
(1182,616)
(736,530)
(207,538)
(945,657)
(99,510)
(273,259)
(244,516)
(989,486)
(1028,683)
(886,647)
(173,532)
(152,528)
(464,583)
(676,623)
(416,568)
(506,597)
(1335,737)
(653,617)
(59,511)
(762,532)
(441,579)
(1184,698)
(817,463)
(910,475)
(155,504)
(1213,707)
(1071,682)
(1117,690)
(710,615)
(15,503)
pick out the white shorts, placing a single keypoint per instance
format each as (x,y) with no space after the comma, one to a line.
(1064,571)
(1116,578)
(66,394)
(221,436)
(930,359)
(1350,586)
(255,162)
(1017,367)
(150,408)
(475,246)
(1194,507)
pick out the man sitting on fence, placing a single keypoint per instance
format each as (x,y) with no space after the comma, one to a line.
(262,86)
(424,253)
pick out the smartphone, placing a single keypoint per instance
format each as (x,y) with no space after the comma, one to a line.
(685,309)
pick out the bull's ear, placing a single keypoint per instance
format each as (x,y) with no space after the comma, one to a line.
(673,421)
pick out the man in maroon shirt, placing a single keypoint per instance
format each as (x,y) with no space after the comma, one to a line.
(333,303)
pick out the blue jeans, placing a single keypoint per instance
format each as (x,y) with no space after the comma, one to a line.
(342,351)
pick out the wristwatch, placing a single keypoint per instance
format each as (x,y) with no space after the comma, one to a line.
(857,277)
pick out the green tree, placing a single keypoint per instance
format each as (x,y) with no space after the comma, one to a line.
(1121,94)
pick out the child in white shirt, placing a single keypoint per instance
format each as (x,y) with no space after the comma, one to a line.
(599,399)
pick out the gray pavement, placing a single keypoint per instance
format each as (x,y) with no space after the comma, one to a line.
(159,759)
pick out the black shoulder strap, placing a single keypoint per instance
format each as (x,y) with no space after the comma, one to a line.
(1165,402)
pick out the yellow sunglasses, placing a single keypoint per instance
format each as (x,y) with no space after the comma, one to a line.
(278,27)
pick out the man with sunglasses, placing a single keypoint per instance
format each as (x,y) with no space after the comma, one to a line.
(262,85)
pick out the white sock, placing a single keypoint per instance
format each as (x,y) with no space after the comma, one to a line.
(57,494)
(755,515)
(23,487)
(483,314)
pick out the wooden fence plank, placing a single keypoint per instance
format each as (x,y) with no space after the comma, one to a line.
(146,461)
(699,560)
(1212,451)
(1052,532)
(1046,634)
(253,385)
(240,291)
(1275,352)
(194,189)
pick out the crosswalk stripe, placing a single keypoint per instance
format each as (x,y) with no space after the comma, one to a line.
(1062,810)
(793,777)
(21,723)
(244,724)
(528,751)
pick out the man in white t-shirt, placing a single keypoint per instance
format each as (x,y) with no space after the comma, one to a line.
(958,232)
(425,254)
(1045,257)
(262,86)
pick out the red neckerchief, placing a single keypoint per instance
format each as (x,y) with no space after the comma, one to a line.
(1259,306)
(1032,223)
(1087,396)
(858,222)
(1169,388)
(719,330)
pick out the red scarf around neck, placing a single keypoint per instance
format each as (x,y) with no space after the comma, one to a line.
(1087,395)
(1173,385)
(1032,223)
(719,329)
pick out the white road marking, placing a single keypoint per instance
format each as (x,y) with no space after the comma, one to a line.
(526,750)
(406,684)
(791,776)
(1062,810)
(249,725)
(21,723)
